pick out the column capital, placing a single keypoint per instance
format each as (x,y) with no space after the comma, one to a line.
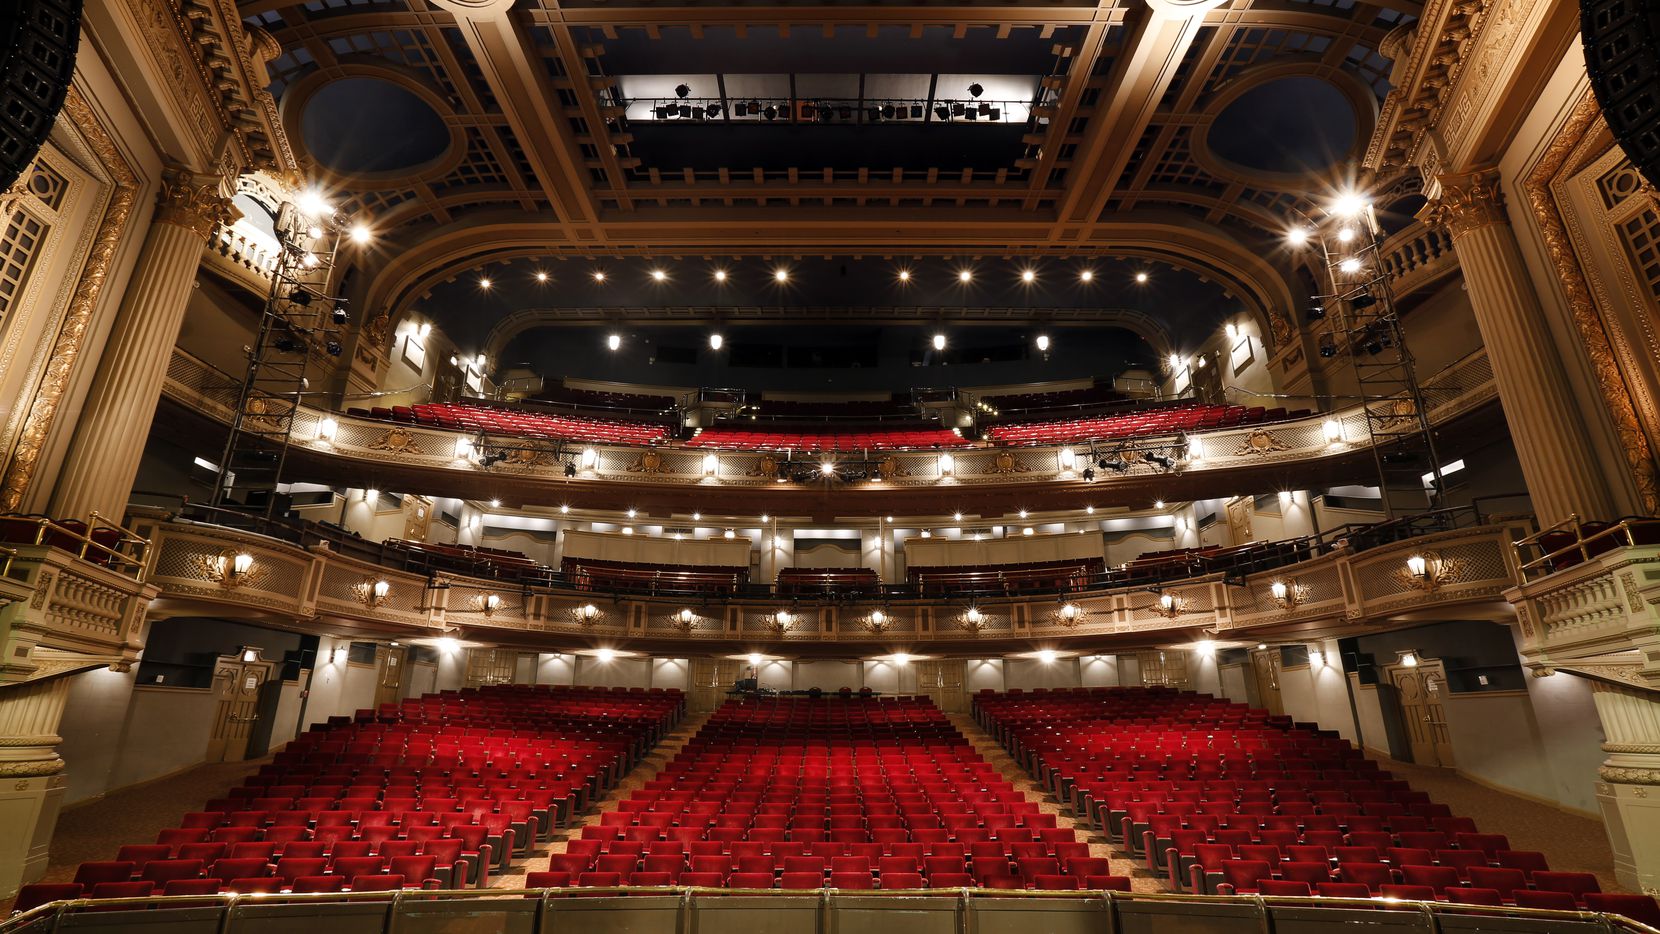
(192,200)
(1469,201)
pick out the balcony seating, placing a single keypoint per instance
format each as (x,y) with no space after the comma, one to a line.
(827,582)
(1136,423)
(808,441)
(636,577)
(472,560)
(1223,799)
(1086,397)
(519,422)
(435,791)
(845,793)
(1071,574)
(605,399)
(850,409)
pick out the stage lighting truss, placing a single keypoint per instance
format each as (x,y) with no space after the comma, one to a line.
(826,110)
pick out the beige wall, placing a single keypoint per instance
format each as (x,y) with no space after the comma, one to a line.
(166,730)
(1320,693)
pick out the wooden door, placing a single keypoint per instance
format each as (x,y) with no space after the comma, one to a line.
(237,685)
(710,679)
(1265,665)
(1239,519)
(390,663)
(942,683)
(1420,690)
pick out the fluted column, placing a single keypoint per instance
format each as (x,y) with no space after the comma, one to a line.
(1551,442)
(31,778)
(109,439)
(1629,790)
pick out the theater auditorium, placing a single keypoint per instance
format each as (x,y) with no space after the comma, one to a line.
(923,466)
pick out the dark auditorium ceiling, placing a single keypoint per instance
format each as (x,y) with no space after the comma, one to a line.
(572,133)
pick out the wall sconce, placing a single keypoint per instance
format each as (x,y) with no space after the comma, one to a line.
(1409,659)
(1068,458)
(425,329)
(947,465)
(590,457)
(1171,606)
(1423,572)
(711,464)
(447,645)
(684,622)
(972,620)
(1287,594)
(372,593)
(877,623)
(338,656)
(326,430)
(729,534)
(606,656)
(586,615)
(228,570)
(1316,658)
(1206,648)
(778,622)
(463,448)
(1068,615)
(900,659)
(1334,431)
(1047,656)
(249,654)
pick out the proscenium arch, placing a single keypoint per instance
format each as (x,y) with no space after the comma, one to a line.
(1262,287)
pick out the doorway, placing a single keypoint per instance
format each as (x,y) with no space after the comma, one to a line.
(1265,666)
(1420,690)
(238,681)
(389,665)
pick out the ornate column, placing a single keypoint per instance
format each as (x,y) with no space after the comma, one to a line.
(1629,790)
(1557,461)
(109,440)
(31,778)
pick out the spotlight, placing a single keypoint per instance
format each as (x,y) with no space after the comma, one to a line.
(361,234)
(1297,237)
(541,276)
(939,341)
(1114,464)
(1328,346)
(976,89)
(715,341)
(1363,300)
(300,297)
(771,113)
(1085,276)
(662,113)
(740,109)
(781,275)
(1349,204)
(333,347)
(289,345)
(965,276)
(1317,311)
(485,284)
(713,110)
(659,275)
(1350,265)
(681,91)
(904,275)
(599,275)
(1159,459)
(943,112)
(887,112)
(339,314)
(1043,342)
(614,341)
(1141,278)
(570,469)
(1089,474)
(720,275)
(1027,275)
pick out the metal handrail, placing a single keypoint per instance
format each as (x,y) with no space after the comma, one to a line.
(1547,561)
(228,902)
(47,530)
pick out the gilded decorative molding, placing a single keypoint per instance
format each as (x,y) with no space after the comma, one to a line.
(66,347)
(1620,775)
(1260,441)
(34,768)
(193,201)
(1587,321)
(1468,203)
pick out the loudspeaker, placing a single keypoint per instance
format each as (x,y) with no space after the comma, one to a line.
(1622,55)
(37,59)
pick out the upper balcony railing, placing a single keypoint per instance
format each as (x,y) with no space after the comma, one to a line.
(1416,256)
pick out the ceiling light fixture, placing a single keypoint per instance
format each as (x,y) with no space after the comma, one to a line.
(939,341)
(781,275)
(720,275)
(614,341)
(715,341)
(599,275)
(1086,276)
(659,275)
(1027,275)
(1141,278)
(964,276)
(1043,342)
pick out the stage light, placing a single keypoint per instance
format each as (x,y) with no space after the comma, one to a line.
(1346,235)
(1297,237)
(333,348)
(313,204)
(1317,312)
(339,314)
(681,91)
(1114,464)
(976,89)
(1159,459)
(827,468)
(1349,204)
(771,113)
(1089,474)
(1047,657)
(361,234)
(939,341)
(570,471)
(614,341)
(606,656)
(1363,300)
(715,341)
(943,112)
(1350,265)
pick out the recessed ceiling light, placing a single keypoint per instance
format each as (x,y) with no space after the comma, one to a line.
(1028,276)
(904,275)
(495,504)
(715,341)
(964,276)
(939,341)
(781,275)
(614,341)
(1043,342)
(1086,275)
(484,283)
(659,275)
(599,275)
(541,276)
(720,275)
(1141,277)
(564,509)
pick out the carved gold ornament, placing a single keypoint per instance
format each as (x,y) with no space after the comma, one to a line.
(647,462)
(193,201)
(766,467)
(230,570)
(1260,441)
(398,440)
(1006,463)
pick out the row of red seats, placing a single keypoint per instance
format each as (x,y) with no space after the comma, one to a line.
(1139,423)
(828,441)
(1224,800)
(436,791)
(639,577)
(522,423)
(1006,578)
(837,792)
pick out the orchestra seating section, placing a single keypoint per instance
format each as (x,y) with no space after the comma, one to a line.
(827,582)
(811,441)
(841,792)
(473,560)
(519,423)
(1138,423)
(605,399)
(1071,574)
(433,792)
(1223,799)
(637,577)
